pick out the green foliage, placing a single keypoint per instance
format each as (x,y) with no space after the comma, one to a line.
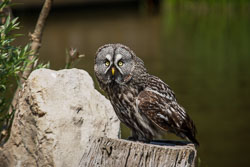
(13,62)
(3,4)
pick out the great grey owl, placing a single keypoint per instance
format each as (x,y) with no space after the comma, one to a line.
(142,102)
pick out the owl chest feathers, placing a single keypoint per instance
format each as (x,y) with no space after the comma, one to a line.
(124,99)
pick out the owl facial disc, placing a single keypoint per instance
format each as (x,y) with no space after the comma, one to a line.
(114,63)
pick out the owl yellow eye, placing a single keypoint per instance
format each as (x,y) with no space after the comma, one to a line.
(107,63)
(120,63)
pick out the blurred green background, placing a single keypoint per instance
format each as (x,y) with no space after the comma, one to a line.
(201,48)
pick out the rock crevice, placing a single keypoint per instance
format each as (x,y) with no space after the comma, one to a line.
(58,112)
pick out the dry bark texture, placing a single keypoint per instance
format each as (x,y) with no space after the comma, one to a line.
(36,37)
(58,112)
(106,152)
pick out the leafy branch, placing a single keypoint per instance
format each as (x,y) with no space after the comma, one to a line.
(16,62)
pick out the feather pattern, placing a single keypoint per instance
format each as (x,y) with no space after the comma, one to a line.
(158,103)
(143,102)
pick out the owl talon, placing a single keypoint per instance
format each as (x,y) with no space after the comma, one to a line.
(132,138)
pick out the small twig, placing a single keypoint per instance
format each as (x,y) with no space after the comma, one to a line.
(72,56)
(36,38)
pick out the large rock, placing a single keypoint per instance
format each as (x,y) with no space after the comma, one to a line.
(58,113)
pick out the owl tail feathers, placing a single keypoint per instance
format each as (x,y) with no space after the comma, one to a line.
(192,138)
(196,143)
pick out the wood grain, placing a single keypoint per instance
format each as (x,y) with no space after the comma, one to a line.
(122,153)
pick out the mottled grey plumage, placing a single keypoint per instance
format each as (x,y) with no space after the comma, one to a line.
(143,102)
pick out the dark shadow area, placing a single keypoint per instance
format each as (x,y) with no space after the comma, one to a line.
(170,143)
(83,7)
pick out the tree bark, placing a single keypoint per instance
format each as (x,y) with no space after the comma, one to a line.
(36,39)
(122,153)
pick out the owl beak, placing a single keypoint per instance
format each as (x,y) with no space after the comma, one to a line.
(113,71)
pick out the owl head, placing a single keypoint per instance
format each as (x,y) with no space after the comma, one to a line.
(114,63)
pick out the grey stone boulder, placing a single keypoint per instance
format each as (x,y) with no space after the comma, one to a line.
(58,113)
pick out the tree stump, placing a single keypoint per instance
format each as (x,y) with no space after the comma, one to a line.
(109,152)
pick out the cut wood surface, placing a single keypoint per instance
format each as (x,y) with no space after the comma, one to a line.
(123,153)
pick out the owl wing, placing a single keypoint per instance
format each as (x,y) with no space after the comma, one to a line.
(163,110)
